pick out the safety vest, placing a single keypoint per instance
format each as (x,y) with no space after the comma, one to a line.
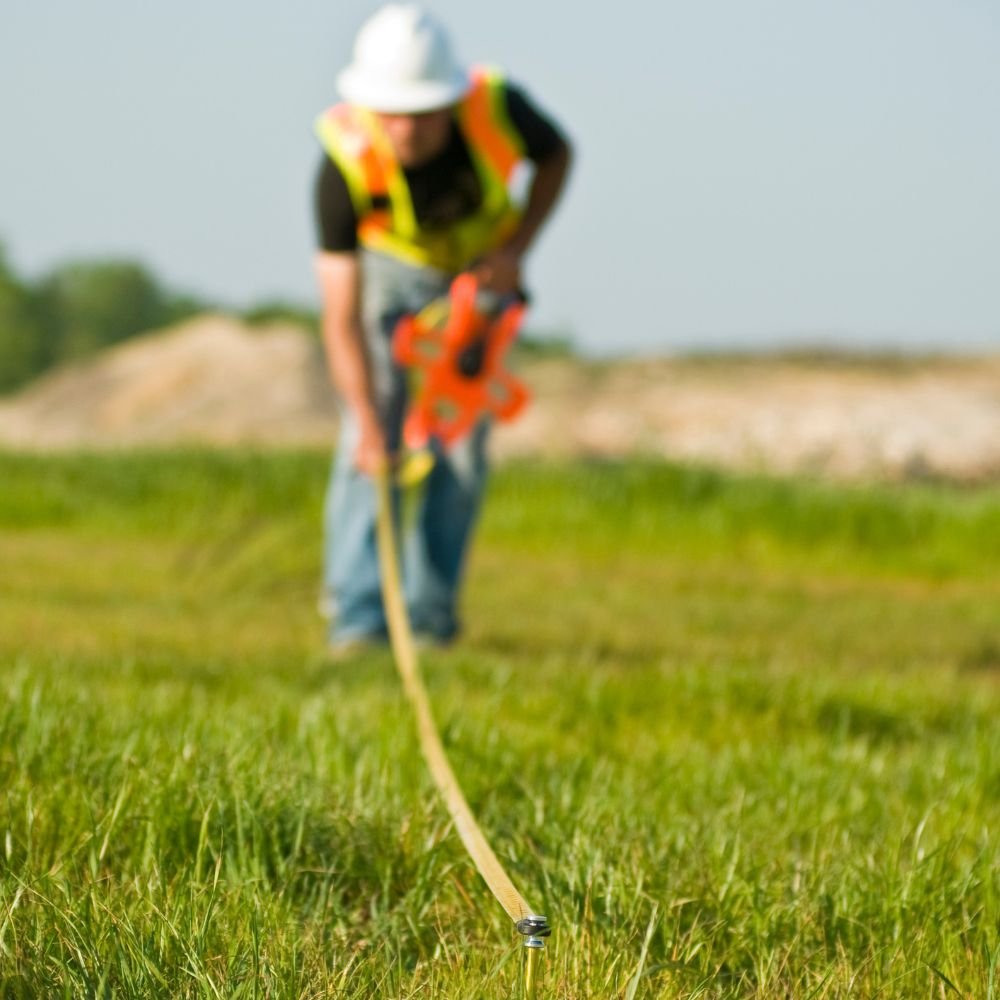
(387,223)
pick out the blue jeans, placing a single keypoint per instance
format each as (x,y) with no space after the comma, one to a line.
(438,528)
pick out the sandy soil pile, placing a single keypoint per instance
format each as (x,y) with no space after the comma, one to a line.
(213,380)
(896,419)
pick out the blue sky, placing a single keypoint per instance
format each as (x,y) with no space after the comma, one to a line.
(749,173)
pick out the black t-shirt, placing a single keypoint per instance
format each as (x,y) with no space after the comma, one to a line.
(443,190)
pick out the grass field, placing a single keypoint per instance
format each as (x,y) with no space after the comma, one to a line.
(750,723)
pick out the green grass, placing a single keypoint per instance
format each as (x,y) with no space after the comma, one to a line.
(754,720)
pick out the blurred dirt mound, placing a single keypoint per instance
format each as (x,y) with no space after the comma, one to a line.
(849,419)
(210,380)
(214,380)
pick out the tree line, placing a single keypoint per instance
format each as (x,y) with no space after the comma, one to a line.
(82,307)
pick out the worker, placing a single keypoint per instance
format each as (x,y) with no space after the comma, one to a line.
(415,187)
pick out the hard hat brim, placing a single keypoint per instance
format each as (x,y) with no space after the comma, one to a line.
(412,97)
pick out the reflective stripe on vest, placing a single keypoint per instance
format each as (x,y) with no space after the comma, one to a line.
(358,145)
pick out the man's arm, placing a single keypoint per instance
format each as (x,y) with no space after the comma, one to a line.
(500,270)
(347,358)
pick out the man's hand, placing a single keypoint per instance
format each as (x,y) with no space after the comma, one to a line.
(370,453)
(499,271)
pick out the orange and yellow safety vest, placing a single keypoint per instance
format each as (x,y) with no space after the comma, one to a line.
(360,148)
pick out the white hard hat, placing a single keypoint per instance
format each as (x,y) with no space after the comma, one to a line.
(403,63)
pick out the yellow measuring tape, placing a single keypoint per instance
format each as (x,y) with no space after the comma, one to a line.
(531,925)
